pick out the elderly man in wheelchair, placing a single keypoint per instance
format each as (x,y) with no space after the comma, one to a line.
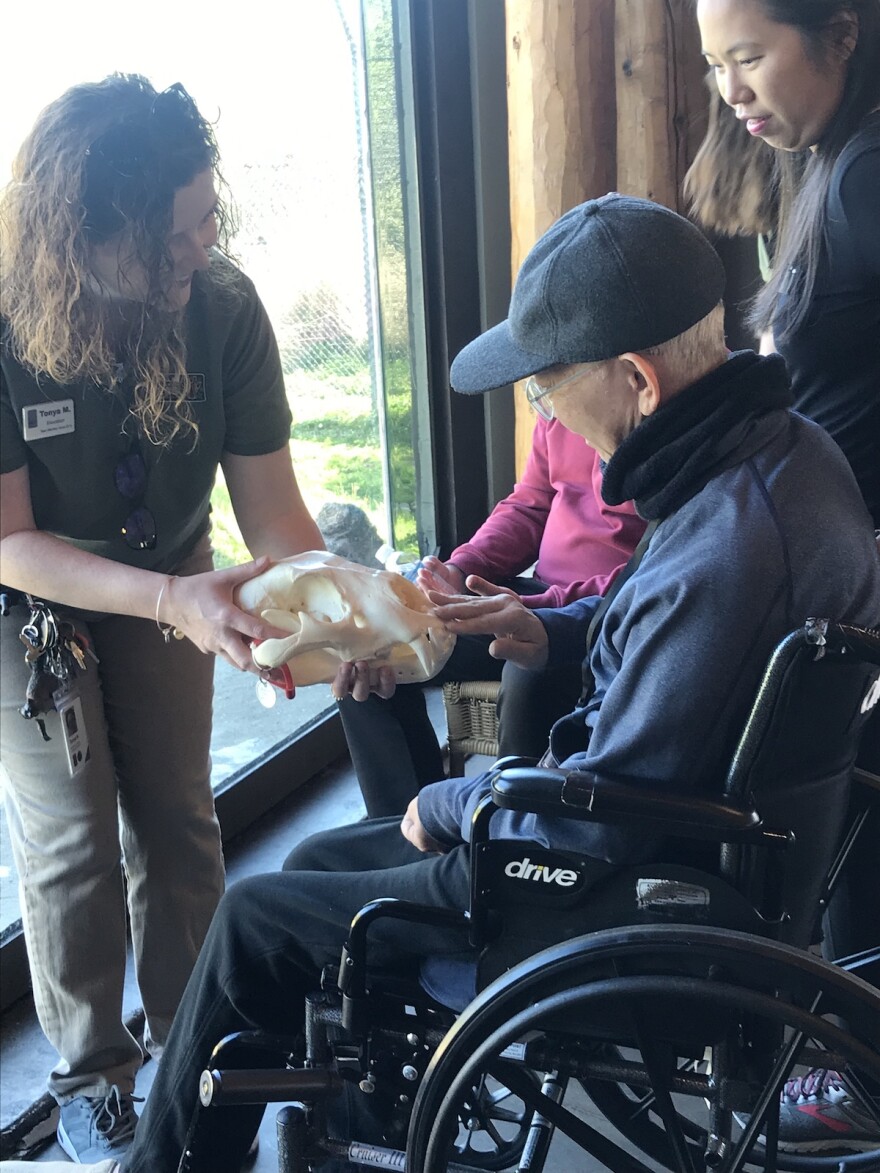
(604,961)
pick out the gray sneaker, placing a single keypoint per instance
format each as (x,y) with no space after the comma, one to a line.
(97,1128)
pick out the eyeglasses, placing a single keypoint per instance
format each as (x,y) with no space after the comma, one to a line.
(537,395)
(130,478)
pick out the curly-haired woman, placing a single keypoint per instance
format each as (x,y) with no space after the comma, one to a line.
(136,359)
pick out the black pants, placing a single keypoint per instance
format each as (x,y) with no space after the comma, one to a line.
(269,939)
(392,742)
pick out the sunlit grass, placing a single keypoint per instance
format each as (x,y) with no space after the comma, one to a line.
(336,456)
(317,466)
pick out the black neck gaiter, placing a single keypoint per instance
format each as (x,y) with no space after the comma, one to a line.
(676,451)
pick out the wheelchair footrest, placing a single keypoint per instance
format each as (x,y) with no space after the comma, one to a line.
(267,1086)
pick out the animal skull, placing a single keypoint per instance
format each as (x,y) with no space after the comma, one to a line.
(337,610)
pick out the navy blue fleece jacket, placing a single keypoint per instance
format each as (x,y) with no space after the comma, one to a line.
(761,525)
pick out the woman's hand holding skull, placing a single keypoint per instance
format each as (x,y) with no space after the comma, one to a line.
(201,608)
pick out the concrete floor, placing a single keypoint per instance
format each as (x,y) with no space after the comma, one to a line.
(331,799)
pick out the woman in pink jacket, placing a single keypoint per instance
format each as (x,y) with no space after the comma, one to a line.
(555,522)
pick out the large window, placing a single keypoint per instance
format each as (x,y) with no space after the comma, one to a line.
(316,135)
(325,233)
(374,224)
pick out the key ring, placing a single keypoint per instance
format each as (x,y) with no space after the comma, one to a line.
(30,634)
(281,677)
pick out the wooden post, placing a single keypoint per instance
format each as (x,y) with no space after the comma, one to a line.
(603,95)
(660,97)
(562,124)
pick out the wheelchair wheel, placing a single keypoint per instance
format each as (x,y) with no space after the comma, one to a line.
(680,1037)
(492,1123)
(632,1112)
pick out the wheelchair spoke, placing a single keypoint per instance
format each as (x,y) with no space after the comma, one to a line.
(645,1104)
(573,1127)
(495,1115)
(641,1105)
(495,1101)
(657,1059)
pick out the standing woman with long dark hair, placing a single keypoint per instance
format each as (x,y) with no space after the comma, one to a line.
(803,77)
(136,359)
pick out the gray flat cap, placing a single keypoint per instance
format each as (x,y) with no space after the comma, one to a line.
(612,275)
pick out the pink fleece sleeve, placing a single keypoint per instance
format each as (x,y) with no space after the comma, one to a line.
(509,540)
(586,542)
(555,516)
(560,596)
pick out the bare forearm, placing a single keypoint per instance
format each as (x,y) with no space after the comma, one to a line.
(200,607)
(52,569)
(268,505)
(283,536)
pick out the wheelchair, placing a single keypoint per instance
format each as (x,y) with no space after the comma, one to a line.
(645,1022)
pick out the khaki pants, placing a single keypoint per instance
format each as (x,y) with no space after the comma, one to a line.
(135,824)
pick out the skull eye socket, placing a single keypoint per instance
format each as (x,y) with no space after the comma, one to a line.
(321,598)
(407,593)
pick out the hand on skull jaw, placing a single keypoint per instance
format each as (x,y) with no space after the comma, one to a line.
(338,612)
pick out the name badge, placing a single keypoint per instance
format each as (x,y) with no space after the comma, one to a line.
(73,730)
(196,391)
(48,419)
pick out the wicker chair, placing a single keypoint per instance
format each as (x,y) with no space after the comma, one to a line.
(472,720)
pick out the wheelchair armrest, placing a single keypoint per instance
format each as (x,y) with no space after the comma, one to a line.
(353,966)
(531,788)
(575,795)
(512,761)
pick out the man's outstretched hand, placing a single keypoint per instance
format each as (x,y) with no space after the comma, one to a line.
(493,610)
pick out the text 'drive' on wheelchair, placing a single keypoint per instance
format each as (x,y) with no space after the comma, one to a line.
(646,1024)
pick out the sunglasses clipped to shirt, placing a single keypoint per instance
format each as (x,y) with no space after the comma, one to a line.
(130,477)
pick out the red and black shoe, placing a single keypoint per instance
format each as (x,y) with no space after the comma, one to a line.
(819,1112)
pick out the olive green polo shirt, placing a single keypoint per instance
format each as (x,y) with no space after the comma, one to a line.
(71,436)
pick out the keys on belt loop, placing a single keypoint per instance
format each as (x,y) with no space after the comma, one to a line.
(55,651)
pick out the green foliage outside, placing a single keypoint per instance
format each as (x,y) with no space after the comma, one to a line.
(335,434)
(388,185)
(337,456)
(229,547)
